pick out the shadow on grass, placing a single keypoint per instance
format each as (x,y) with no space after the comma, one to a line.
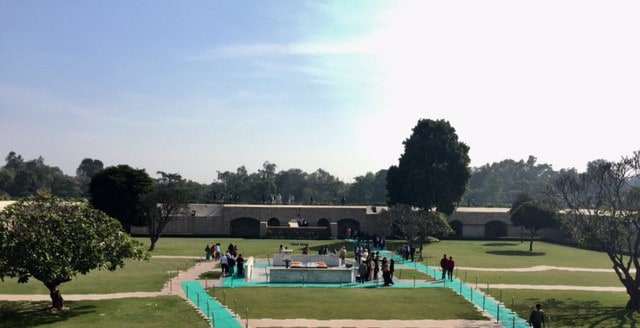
(35,314)
(210,275)
(516,253)
(501,244)
(589,314)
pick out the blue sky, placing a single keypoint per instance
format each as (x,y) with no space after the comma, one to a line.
(196,87)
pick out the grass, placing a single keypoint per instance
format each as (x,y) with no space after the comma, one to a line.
(567,308)
(572,308)
(363,303)
(552,277)
(259,248)
(156,312)
(135,276)
(512,254)
(411,274)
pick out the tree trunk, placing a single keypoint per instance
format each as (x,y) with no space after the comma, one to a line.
(532,235)
(57,302)
(634,300)
(154,239)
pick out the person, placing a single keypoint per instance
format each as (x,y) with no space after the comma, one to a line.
(217,252)
(450,265)
(443,266)
(281,249)
(386,273)
(536,318)
(240,265)
(231,264)
(343,255)
(224,263)
(362,272)
(207,252)
(391,269)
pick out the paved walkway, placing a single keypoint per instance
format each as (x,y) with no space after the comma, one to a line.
(174,287)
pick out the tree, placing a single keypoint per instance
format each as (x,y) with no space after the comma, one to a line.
(433,171)
(498,183)
(118,191)
(53,240)
(89,167)
(164,203)
(415,225)
(369,189)
(86,170)
(292,182)
(263,183)
(533,216)
(602,210)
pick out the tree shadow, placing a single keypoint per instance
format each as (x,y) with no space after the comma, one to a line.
(35,314)
(496,244)
(590,314)
(516,253)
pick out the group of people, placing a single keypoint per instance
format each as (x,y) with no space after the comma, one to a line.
(447,265)
(212,252)
(230,261)
(370,265)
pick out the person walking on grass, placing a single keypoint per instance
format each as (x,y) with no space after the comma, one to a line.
(536,318)
(207,253)
(443,266)
(450,266)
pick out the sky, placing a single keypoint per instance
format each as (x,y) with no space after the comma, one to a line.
(201,87)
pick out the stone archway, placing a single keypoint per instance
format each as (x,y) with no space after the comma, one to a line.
(273,222)
(245,227)
(323,223)
(457,226)
(347,223)
(495,229)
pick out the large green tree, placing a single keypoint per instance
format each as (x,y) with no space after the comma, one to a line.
(53,240)
(119,191)
(602,210)
(433,170)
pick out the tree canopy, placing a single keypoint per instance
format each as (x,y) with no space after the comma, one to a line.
(602,210)
(52,240)
(433,170)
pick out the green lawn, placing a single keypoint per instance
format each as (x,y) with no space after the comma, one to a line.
(363,303)
(572,308)
(156,312)
(512,254)
(135,276)
(567,308)
(552,277)
(259,248)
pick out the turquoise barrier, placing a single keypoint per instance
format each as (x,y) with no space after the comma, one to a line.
(218,315)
